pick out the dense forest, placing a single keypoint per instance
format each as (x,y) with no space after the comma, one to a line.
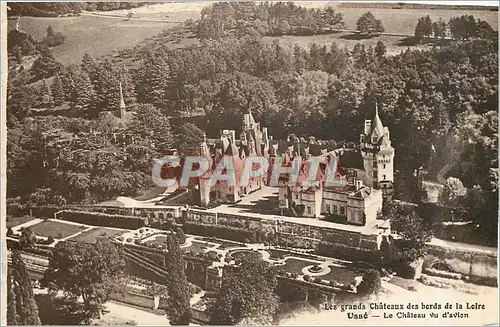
(448,93)
(55,9)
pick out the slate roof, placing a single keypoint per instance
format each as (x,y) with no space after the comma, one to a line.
(351,159)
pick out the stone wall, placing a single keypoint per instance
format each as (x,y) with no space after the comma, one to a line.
(476,264)
(343,244)
(137,299)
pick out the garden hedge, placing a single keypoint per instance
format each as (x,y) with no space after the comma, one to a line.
(103,219)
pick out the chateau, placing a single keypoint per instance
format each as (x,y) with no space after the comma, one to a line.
(368,173)
(253,141)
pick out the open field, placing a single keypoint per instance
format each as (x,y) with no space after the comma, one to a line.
(403,21)
(107,33)
(91,236)
(55,229)
(96,35)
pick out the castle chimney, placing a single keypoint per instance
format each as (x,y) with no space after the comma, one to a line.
(368,125)
(358,183)
(265,137)
(233,136)
(246,121)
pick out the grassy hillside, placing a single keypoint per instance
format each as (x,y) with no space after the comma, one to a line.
(102,35)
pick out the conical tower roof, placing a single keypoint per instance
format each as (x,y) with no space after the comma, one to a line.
(122,101)
(377,126)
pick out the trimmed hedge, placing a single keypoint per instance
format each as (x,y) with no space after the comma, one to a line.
(103,219)
(226,232)
(442,273)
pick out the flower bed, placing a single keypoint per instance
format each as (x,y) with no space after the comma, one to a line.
(315,269)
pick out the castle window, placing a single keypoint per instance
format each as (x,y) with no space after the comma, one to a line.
(383,177)
(374,139)
(296,195)
(342,210)
(384,166)
(309,210)
(334,208)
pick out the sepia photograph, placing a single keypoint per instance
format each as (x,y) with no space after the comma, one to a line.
(249,163)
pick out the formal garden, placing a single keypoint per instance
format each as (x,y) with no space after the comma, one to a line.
(292,263)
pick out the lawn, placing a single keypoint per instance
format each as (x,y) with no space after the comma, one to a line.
(341,275)
(159,239)
(296,265)
(16,221)
(55,229)
(91,236)
(197,247)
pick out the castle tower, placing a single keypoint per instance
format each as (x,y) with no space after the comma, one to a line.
(378,155)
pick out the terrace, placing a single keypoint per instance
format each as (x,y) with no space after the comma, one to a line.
(293,263)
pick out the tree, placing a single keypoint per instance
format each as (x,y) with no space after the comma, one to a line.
(414,234)
(27,239)
(454,190)
(57,91)
(84,94)
(368,25)
(248,295)
(45,66)
(180,235)
(53,38)
(45,96)
(424,28)
(12,316)
(91,271)
(380,49)
(371,283)
(179,309)
(26,311)
(151,124)
(19,101)
(188,138)
(439,29)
